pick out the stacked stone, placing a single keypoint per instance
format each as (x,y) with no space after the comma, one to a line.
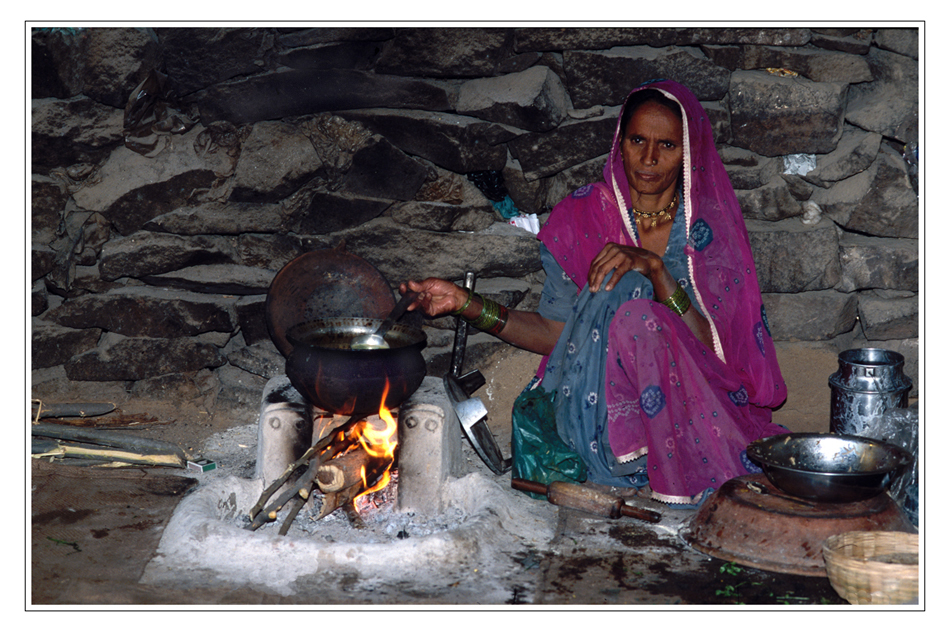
(150,266)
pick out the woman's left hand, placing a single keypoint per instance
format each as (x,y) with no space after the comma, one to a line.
(622,259)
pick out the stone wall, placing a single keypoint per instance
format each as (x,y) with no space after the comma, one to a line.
(176,170)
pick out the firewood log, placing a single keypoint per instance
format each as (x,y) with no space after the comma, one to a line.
(349,469)
(328,503)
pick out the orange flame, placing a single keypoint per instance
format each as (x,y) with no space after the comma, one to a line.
(380,442)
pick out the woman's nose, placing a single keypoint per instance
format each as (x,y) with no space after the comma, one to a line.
(650,154)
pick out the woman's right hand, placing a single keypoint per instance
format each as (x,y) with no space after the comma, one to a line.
(436,296)
(528,330)
(621,260)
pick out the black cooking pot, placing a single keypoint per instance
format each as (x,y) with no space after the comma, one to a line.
(335,378)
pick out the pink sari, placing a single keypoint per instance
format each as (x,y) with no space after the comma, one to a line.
(689,409)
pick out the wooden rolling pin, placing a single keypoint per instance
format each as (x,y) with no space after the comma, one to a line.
(585,499)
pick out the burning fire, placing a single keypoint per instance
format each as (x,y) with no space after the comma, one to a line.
(346,464)
(379,443)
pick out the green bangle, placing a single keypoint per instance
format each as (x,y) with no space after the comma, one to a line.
(492,318)
(461,309)
(500,321)
(679,301)
(487,317)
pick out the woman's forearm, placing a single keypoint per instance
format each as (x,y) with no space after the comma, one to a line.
(528,330)
(663,287)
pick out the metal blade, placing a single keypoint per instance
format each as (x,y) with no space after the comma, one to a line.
(471,381)
(473,415)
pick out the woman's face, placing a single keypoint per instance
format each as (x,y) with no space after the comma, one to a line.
(652,150)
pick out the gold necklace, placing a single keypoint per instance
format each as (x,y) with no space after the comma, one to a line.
(662,214)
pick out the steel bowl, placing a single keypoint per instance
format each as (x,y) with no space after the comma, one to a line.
(829,467)
(336,378)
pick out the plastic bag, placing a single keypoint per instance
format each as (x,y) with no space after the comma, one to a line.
(538,453)
(899,426)
(527,222)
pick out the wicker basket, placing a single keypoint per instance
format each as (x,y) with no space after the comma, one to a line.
(873,567)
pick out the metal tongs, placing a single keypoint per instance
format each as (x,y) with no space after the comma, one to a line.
(470,410)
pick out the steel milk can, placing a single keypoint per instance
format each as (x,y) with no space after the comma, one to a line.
(868,383)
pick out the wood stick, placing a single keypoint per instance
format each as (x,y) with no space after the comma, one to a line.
(315,449)
(272,489)
(328,503)
(295,504)
(65,451)
(304,482)
(107,438)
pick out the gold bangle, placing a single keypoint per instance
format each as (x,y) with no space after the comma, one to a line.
(679,301)
(459,311)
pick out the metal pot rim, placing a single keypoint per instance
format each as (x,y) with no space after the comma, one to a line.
(759,451)
(348,327)
(864,357)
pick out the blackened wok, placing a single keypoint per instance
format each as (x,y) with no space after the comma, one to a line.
(345,381)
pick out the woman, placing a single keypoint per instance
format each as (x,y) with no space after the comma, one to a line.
(658,366)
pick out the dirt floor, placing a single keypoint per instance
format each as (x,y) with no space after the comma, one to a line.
(93,531)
